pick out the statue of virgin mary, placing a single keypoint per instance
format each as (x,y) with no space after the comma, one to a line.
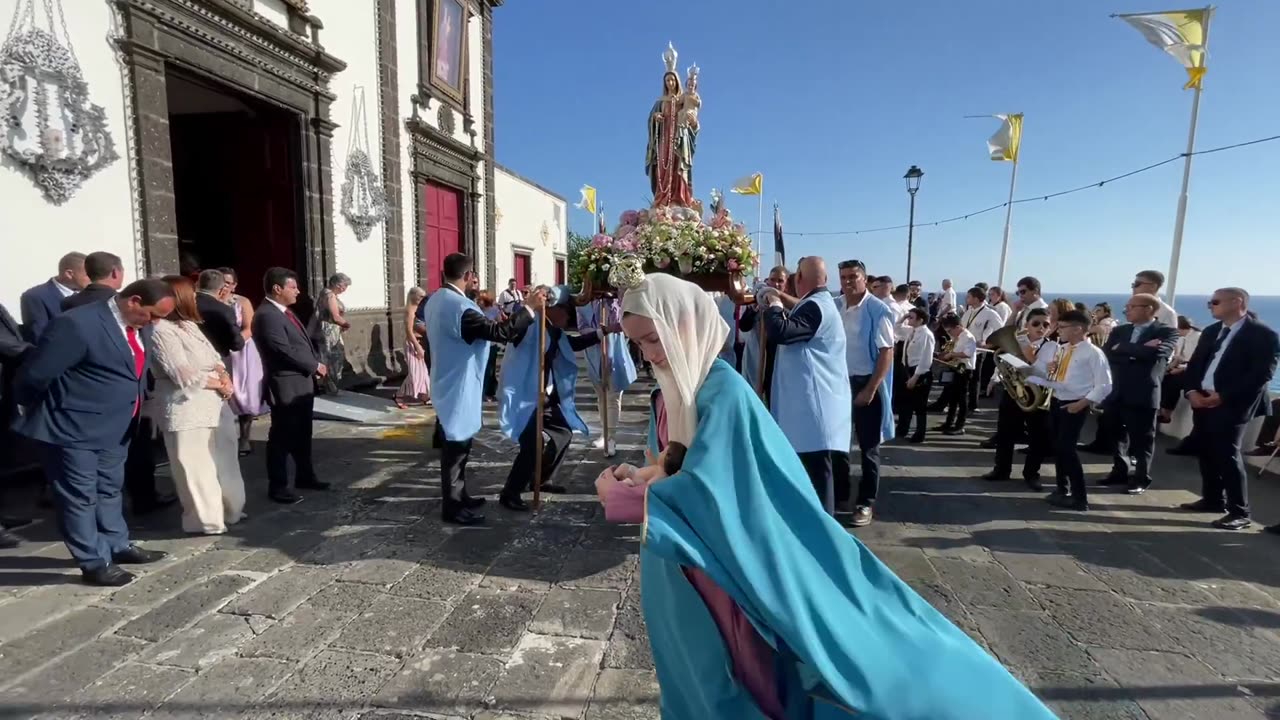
(672,142)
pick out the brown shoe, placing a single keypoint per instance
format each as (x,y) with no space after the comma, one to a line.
(862,516)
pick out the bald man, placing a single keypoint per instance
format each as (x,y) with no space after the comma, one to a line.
(810,396)
(749,324)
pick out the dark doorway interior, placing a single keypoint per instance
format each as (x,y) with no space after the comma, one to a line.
(235,172)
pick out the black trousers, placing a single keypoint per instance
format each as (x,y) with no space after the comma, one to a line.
(914,403)
(824,468)
(454,455)
(1171,389)
(975,378)
(1222,471)
(900,375)
(140,465)
(1066,456)
(556,437)
(1270,425)
(986,371)
(867,421)
(955,399)
(491,372)
(1012,424)
(290,437)
(1134,432)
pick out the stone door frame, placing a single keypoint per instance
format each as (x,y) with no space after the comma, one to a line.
(226,42)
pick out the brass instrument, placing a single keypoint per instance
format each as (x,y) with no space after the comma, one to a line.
(953,365)
(1027,396)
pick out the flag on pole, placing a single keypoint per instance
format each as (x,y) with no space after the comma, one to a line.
(779,248)
(1004,144)
(600,221)
(588,201)
(1180,33)
(752,184)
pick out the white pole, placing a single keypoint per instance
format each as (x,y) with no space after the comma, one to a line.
(760,229)
(1181,221)
(1008,223)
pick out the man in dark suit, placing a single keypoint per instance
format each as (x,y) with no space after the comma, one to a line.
(80,394)
(1227,378)
(43,302)
(106,276)
(291,365)
(1138,353)
(13,349)
(219,324)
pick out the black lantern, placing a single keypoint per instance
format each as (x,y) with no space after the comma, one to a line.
(913,179)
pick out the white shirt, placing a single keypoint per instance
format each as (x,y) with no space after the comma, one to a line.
(966,344)
(1021,316)
(901,330)
(1088,374)
(1166,314)
(857,359)
(981,322)
(124,327)
(947,301)
(66,291)
(509,297)
(920,346)
(1003,310)
(1231,331)
(1187,346)
(1045,352)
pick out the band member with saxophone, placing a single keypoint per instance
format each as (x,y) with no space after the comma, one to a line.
(1013,419)
(1080,378)
(958,357)
(1139,352)
(918,356)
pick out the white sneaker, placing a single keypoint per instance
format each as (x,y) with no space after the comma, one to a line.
(598,443)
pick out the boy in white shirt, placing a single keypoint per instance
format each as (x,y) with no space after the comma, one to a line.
(963,357)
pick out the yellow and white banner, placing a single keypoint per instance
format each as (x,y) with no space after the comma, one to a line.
(1181,33)
(752,184)
(1006,141)
(588,201)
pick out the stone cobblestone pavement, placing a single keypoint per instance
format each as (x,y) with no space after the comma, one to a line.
(361,603)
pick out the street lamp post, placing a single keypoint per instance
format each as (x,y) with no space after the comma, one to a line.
(913,184)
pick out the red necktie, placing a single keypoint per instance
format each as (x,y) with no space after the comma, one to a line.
(296,322)
(139,361)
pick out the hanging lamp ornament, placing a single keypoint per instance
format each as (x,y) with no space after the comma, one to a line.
(364,202)
(50,128)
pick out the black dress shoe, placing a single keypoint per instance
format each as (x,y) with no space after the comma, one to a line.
(1135,489)
(553,489)
(13,523)
(1033,482)
(1232,522)
(473,503)
(464,517)
(134,555)
(285,497)
(996,476)
(107,576)
(988,444)
(953,431)
(1067,502)
(916,439)
(312,485)
(1114,480)
(513,503)
(8,539)
(1272,529)
(1203,505)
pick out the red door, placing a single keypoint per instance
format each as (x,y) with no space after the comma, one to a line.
(560,273)
(522,271)
(442,207)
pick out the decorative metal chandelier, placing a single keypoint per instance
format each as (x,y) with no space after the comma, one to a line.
(364,202)
(50,129)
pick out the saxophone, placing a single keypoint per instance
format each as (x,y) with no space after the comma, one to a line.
(1027,396)
(947,347)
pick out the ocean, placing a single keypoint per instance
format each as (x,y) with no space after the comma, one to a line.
(1195,307)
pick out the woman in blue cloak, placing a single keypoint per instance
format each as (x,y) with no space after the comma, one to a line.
(759,604)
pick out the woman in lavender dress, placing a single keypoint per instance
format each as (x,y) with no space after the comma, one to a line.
(417,382)
(248,399)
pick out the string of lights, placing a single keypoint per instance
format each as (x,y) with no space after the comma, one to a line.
(1037,198)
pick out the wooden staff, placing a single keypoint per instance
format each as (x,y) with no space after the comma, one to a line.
(763,332)
(542,405)
(604,373)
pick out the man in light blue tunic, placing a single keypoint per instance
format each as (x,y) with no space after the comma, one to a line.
(622,367)
(810,396)
(459,335)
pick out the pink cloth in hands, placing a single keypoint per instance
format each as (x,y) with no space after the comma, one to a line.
(624,503)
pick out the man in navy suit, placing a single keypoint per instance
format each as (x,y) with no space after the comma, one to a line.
(1227,380)
(13,349)
(43,302)
(80,394)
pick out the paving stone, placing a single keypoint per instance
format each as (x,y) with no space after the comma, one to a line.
(129,691)
(1138,576)
(572,512)
(345,544)
(523,571)
(55,684)
(388,565)
(299,635)
(1101,618)
(950,544)
(1030,641)
(944,600)
(1084,697)
(214,638)
(487,622)
(332,685)
(629,645)
(41,605)
(1176,687)
(907,563)
(284,551)
(47,642)
(551,675)
(624,695)
(1051,570)
(594,569)
(226,689)
(1233,650)
(162,583)
(479,545)
(393,625)
(547,538)
(445,582)
(281,593)
(184,608)
(983,585)
(441,681)
(580,613)
(611,537)
(344,599)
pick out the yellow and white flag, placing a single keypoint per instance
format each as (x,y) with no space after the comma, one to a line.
(752,184)
(1004,144)
(1181,33)
(588,201)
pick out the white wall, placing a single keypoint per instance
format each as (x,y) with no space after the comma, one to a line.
(34,233)
(350,33)
(407,81)
(524,211)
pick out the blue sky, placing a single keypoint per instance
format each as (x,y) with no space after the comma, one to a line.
(833,99)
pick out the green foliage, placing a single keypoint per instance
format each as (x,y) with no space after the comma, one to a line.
(577,244)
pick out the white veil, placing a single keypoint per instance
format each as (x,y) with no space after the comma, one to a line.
(692,333)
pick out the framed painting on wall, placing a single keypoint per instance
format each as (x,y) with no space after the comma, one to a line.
(447,64)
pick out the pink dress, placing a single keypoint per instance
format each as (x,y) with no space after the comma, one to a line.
(249,394)
(417,382)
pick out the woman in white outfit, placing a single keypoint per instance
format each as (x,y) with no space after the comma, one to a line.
(190,408)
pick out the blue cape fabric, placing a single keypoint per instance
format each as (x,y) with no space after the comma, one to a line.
(622,369)
(848,633)
(519,385)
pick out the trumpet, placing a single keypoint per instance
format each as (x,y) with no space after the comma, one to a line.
(1027,396)
(954,365)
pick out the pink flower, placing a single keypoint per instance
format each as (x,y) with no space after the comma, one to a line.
(630,217)
(664,262)
(734,266)
(601,241)
(627,243)
(624,231)
(740,227)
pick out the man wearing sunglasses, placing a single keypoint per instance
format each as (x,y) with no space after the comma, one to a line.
(1149,282)
(1028,299)
(1228,376)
